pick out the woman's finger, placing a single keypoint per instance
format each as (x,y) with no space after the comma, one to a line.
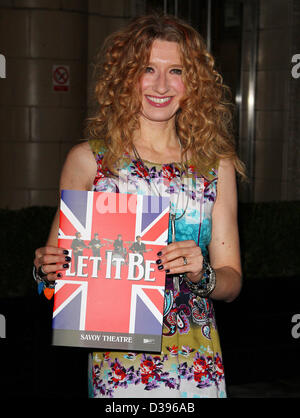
(177,252)
(53,268)
(184,264)
(54,259)
(50,250)
(190,264)
(52,271)
(51,277)
(54,276)
(50,255)
(178,244)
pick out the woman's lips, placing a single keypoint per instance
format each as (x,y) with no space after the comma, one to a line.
(159,101)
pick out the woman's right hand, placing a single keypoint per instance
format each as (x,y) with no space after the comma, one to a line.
(52,260)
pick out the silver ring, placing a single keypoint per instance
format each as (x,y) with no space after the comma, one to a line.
(185,261)
(41,272)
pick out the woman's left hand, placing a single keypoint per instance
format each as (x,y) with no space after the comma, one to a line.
(182,257)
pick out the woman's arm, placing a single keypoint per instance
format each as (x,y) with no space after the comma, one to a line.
(78,173)
(224,246)
(224,249)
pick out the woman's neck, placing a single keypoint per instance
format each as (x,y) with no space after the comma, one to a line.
(158,142)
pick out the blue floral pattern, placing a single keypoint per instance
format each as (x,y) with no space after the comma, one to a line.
(190,364)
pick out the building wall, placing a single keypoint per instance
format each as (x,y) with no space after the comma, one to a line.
(276,136)
(39,126)
(291,164)
(273,73)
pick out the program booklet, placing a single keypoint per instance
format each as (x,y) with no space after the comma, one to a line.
(112,295)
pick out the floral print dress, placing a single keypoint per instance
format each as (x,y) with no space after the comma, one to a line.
(190,363)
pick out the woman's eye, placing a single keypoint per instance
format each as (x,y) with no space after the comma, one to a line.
(148,70)
(177,71)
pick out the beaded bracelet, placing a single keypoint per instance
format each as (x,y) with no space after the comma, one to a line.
(207,283)
(43,284)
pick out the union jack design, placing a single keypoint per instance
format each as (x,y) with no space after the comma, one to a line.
(110,288)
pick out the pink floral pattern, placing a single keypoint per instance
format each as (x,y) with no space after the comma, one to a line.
(190,363)
(151,373)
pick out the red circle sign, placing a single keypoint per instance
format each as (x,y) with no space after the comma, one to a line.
(61,75)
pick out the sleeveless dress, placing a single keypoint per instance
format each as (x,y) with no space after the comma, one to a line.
(190,364)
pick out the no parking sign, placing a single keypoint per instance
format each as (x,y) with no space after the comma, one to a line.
(61,77)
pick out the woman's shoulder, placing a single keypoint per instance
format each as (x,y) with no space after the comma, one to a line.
(80,151)
(86,149)
(79,168)
(222,167)
(97,146)
(80,157)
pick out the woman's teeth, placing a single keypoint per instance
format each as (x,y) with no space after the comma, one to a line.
(158,99)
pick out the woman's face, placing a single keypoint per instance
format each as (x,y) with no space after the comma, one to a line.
(161,85)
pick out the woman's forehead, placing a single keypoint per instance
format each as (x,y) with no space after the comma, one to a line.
(165,51)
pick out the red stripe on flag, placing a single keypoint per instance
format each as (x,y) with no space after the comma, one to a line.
(156,297)
(64,293)
(66,226)
(156,230)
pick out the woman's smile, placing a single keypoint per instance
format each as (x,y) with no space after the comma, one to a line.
(159,101)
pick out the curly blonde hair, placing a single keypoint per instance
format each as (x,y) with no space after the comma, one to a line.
(204,120)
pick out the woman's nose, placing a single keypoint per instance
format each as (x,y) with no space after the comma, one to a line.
(161,84)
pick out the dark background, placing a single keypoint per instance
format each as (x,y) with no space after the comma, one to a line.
(253,42)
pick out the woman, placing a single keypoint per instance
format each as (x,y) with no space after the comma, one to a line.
(163,126)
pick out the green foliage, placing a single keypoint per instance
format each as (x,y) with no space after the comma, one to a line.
(269,235)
